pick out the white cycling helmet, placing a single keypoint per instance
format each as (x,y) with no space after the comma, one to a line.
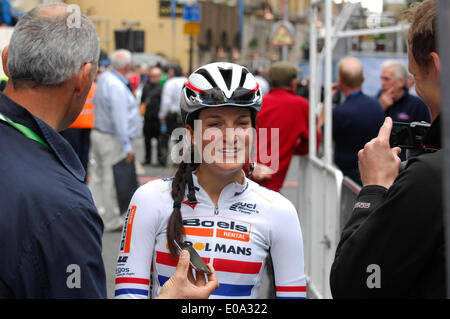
(220,84)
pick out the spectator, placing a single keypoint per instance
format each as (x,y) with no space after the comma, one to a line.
(356,121)
(303,88)
(51,233)
(151,98)
(394,246)
(170,113)
(50,227)
(288,113)
(394,97)
(117,122)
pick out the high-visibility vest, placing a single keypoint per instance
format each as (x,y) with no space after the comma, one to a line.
(87,117)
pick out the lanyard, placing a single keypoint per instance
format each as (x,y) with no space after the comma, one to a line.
(24,130)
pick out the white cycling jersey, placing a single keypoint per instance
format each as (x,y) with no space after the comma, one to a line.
(235,236)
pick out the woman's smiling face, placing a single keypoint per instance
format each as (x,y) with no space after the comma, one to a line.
(226,137)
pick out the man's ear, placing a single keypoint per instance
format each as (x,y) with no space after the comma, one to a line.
(5,60)
(436,63)
(294,84)
(83,78)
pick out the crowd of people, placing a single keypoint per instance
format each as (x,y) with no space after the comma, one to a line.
(230,208)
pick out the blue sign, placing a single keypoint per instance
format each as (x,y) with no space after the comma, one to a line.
(192,13)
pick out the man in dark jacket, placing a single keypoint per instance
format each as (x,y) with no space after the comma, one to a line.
(151,97)
(393,246)
(51,233)
(356,121)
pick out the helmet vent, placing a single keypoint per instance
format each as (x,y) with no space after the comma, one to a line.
(207,76)
(227,76)
(243,77)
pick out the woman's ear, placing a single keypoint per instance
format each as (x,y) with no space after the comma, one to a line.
(189,134)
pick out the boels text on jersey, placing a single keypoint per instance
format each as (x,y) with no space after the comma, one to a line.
(226,228)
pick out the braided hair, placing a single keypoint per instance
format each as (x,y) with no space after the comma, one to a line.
(181,180)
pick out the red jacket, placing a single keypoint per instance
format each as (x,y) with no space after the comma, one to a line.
(289,113)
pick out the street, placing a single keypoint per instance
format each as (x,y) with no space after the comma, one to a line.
(146,173)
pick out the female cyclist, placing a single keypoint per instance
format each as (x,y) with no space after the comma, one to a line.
(231,221)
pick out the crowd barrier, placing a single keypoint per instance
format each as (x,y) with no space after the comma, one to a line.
(325,203)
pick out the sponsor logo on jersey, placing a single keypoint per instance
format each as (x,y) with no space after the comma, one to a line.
(122,259)
(245,208)
(127,230)
(227,228)
(221,248)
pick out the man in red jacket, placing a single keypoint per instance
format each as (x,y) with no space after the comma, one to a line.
(282,127)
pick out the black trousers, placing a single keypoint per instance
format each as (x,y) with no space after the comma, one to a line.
(173,121)
(152,130)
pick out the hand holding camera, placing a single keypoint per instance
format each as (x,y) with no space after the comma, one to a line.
(379,163)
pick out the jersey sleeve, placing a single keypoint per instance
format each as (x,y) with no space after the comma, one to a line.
(287,254)
(137,245)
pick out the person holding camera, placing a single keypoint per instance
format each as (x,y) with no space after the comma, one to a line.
(393,246)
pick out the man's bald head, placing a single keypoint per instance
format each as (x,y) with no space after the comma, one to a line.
(54,10)
(121,59)
(155,75)
(351,72)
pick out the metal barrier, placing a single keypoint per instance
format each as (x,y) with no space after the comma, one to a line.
(325,205)
(319,214)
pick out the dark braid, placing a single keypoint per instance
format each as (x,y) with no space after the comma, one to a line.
(183,178)
(175,228)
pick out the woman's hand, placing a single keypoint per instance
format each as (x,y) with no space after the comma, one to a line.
(261,173)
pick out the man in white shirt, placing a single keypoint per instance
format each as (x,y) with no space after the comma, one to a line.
(117,123)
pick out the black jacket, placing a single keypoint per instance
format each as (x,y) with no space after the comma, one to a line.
(151,96)
(397,235)
(50,230)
